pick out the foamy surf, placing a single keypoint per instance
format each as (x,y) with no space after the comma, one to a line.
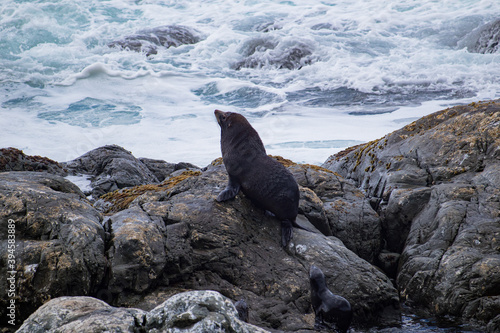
(313,77)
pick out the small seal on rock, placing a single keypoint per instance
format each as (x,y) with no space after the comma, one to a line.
(330,309)
(265,181)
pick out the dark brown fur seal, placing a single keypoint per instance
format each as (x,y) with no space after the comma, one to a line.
(330,309)
(265,181)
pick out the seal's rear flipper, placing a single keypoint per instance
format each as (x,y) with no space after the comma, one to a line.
(286,232)
(303,223)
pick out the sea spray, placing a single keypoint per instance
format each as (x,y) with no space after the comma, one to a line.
(310,75)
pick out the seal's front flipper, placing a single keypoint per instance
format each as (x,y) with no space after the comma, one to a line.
(286,232)
(230,191)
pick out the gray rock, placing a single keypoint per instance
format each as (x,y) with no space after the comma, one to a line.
(162,169)
(59,240)
(435,184)
(234,248)
(82,314)
(451,259)
(136,254)
(111,168)
(336,207)
(195,311)
(486,39)
(231,247)
(148,40)
(268,51)
(12,159)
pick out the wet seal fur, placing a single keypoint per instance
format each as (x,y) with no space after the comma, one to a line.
(329,309)
(265,181)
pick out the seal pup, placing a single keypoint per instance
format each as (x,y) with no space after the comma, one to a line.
(329,309)
(265,181)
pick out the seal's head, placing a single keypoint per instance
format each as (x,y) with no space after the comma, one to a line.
(221,116)
(237,135)
(231,120)
(316,277)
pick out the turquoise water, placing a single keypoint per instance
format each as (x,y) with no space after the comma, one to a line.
(312,76)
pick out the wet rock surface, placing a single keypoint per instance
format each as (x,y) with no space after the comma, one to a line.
(12,159)
(149,40)
(435,184)
(487,38)
(268,51)
(175,236)
(59,241)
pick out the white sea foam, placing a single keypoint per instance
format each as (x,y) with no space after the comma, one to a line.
(83,182)
(373,67)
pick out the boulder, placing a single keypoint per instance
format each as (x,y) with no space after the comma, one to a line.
(336,207)
(148,40)
(12,159)
(234,248)
(163,238)
(59,241)
(486,39)
(196,311)
(111,168)
(268,51)
(435,184)
(82,314)
(136,254)
(162,169)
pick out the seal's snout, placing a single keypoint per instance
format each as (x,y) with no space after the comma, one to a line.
(219,115)
(314,271)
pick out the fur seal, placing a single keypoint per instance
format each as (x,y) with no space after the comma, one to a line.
(265,181)
(329,309)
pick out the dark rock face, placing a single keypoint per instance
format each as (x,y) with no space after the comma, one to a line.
(234,248)
(175,236)
(111,168)
(487,40)
(422,203)
(436,186)
(60,243)
(194,312)
(162,169)
(267,51)
(147,41)
(136,255)
(12,159)
(336,207)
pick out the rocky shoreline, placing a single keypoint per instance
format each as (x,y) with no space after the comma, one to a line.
(413,217)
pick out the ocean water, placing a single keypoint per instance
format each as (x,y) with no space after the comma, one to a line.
(313,77)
